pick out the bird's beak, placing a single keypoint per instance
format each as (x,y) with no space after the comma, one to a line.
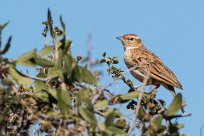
(119,38)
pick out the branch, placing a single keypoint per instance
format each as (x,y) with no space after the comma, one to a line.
(111,83)
(101,92)
(38,78)
(179,116)
(138,105)
(56,48)
(89,44)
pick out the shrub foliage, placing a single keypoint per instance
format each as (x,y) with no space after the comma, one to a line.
(65,98)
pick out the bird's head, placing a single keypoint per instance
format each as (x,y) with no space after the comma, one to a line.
(130,40)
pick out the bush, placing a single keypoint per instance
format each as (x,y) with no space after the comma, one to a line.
(65,97)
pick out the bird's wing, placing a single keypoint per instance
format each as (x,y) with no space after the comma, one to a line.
(149,62)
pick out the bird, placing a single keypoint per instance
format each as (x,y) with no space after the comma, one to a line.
(147,65)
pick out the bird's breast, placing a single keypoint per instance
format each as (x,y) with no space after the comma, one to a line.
(136,73)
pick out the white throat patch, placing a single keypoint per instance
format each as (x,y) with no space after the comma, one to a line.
(129,48)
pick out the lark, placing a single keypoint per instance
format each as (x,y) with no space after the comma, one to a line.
(147,65)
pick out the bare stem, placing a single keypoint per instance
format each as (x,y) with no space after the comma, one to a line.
(132,124)
(56,48)
(38,78)
(89,45)
(101,92)
(178,116)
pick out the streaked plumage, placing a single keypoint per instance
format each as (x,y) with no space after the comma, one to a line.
(147,63)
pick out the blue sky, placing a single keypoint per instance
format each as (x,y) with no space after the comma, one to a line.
(174,30)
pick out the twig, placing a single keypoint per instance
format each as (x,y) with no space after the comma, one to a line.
(168,123)
(111,83)
(89,45)
(38,78)
(201,130)
(111,94)
(178,116)
(162,108)
(56,48)
(100,92)
(138,105)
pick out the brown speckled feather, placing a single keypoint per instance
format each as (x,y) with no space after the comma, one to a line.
(146,61)
(147,65)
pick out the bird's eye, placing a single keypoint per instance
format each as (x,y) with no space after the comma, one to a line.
(131,39)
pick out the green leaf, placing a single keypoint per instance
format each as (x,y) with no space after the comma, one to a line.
(27,56)
(7,46)
(16,76)
(64,97)
(180,126)
(120,123)
(116,112)
(130,95)
(141,113)
(42,95)
(101,104)
(42,62)
(53,92)
(46,50)
(88,115)
(83,100)
(62,24)
(39,86)
(102,60)
(50,22)
(65,46)
(102,126)
(110,119)
(104,54)
(64,101)
(156,122)
(84,75)
(115,60)
(175,105)
(116,131)
(26,63)
(70,64)
(55,71)
(83,96)
(111,130)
